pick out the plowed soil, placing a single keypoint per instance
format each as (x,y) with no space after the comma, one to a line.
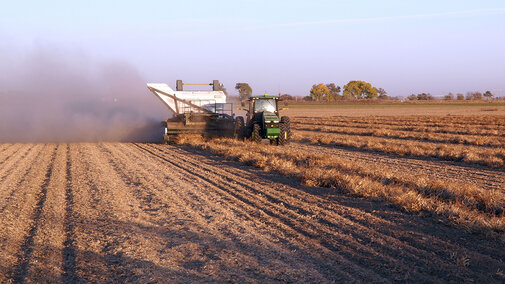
(123,212)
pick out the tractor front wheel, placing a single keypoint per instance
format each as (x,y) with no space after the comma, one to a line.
(283,135)
(287,126)
(256,136)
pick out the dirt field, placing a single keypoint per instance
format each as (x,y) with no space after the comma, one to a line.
(361,109)
(120,212)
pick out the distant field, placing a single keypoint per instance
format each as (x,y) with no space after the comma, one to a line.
(360,109)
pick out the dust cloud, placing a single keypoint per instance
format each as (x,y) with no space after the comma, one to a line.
(51,95)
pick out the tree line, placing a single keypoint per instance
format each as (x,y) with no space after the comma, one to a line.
(352,90)
(450,96)
(360,90)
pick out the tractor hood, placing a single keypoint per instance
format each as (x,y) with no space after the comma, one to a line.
(271,117)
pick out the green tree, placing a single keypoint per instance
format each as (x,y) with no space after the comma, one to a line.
(359,90)
(425,96)
(412,97)
(474,96)
(460,97)
(488,95)
(319,91)
(287,97)
(244,91)
(334,93)
(383,95)
(449,97)
(223,89)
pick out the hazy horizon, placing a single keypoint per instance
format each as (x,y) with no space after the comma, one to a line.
(275,46)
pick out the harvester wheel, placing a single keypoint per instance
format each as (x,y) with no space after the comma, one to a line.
(287,126)
(256,136)
(239,128)
(283,135)
(169,139)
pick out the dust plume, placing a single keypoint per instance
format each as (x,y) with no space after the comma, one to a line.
(51,95)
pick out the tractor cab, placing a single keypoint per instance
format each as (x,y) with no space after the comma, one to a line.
(263,105)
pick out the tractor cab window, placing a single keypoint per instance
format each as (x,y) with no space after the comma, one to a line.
(266,105)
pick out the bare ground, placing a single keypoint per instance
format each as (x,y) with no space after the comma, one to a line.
(112,212)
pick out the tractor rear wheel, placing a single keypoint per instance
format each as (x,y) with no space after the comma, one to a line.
(239,128)
(283,135)
(256,136)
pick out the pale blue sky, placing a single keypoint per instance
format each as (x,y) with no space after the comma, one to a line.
(402,46)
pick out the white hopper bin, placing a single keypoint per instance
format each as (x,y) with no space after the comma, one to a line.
(180,102)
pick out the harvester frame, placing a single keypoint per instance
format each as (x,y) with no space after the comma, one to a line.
(195,112)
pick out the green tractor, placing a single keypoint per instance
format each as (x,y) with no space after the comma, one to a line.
(264,122)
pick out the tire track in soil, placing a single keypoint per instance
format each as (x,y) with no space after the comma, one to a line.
(69,252)
(413,241)
(196,200)
(21,269)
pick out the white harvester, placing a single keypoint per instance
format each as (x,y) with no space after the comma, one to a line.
(199,112)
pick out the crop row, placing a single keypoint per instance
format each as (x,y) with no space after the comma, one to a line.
(477,140)
(485,130)
(463,204)
(470,120)
(491,157)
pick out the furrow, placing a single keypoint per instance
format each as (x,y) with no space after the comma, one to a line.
(25,253)
(196,195)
